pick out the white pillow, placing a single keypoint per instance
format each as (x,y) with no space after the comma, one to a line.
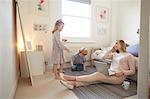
(98,54)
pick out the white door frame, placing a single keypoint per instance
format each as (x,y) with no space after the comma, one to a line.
(143,68)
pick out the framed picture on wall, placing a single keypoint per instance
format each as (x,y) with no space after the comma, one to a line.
(102,30)
(39,7)
(102,14)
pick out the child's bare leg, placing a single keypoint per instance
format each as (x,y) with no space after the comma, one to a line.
(61,68)
(56,70)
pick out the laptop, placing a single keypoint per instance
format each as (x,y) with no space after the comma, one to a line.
(102,67)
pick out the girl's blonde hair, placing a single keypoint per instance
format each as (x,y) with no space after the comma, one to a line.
(82,49)
(57,24)
(123,45)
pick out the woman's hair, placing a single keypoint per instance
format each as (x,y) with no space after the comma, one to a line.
(57,24)
(123,45)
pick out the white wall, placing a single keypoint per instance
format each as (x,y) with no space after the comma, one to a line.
(125,20)
(8,68)
(143,74)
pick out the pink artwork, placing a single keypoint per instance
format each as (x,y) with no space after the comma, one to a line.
(39,7)
(102,14)
(41,4)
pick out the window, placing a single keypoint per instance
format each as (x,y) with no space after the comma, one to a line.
(76,15)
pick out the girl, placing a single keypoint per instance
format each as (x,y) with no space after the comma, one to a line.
(122,64)
(57,50)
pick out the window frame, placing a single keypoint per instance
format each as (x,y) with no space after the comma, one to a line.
(80,39)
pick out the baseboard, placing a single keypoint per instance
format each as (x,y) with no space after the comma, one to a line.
(13,90)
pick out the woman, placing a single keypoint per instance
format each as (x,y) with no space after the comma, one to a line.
(57,50)
(123,64)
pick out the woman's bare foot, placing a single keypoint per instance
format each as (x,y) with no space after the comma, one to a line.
(69,85)
(67,77)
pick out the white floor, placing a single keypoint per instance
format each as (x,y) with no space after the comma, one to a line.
(45,87)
